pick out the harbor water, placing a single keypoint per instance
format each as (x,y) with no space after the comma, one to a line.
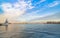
(30,31)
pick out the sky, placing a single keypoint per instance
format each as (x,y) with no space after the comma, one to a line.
(29,10)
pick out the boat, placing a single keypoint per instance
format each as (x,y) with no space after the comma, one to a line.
(6,23)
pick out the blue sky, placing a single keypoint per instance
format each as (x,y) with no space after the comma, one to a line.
(29,10)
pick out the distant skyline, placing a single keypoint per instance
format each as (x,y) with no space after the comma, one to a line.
(29,10)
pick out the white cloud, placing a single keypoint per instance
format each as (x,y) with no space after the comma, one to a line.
(55,3)
(34,15)
(10,11)
(41,1)
(16,9)
(31,17)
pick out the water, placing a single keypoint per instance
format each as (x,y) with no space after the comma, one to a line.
(30,31)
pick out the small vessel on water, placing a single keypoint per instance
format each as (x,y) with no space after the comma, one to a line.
(5,23)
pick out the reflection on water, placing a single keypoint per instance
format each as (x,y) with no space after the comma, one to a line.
(30,31)
(10,30)
(6,27)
